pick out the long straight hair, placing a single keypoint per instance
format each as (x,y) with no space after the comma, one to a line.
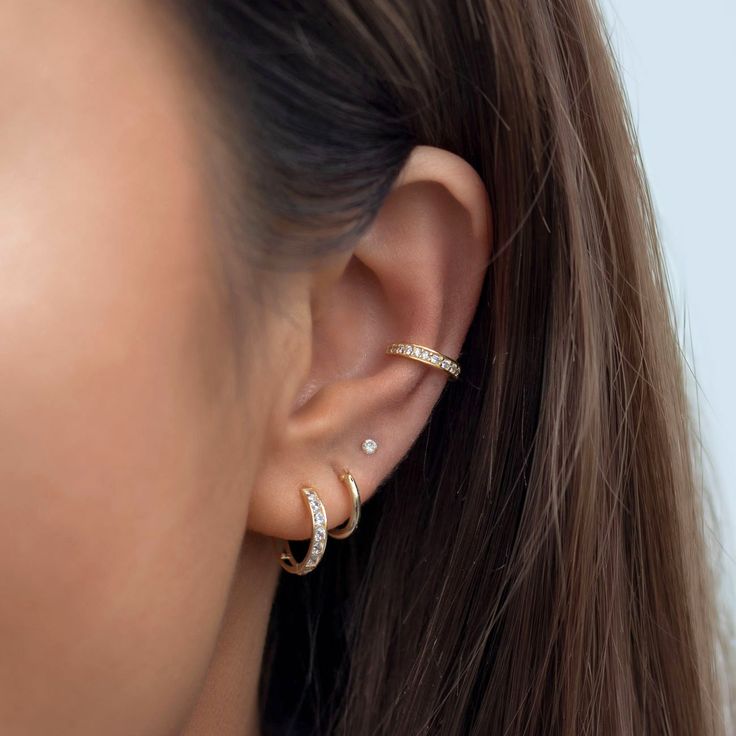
(538,563)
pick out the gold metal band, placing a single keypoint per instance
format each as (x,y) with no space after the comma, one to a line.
(318,541)
(318,515)
(345,530)
(425,355)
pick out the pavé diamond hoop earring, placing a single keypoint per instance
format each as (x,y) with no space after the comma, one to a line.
(318,515)
(425,355)
(317,543)
(348,527)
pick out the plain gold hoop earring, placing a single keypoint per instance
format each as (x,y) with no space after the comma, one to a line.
(349,526)
(317,543)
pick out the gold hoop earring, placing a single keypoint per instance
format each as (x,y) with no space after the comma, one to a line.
(317,543)
(349,526)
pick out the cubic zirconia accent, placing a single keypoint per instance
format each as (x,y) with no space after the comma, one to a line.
(425,355)
(318,541)
(369,446)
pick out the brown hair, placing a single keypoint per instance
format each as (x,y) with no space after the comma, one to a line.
(538,562)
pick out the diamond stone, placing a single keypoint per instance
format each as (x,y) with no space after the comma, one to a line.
(369,446)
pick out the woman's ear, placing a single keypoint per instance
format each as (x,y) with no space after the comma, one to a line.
(414,276)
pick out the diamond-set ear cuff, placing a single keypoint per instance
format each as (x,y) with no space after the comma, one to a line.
(425,355)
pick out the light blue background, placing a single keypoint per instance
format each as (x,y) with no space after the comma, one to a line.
(679,65)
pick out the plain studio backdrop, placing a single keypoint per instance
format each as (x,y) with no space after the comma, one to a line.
(679,65)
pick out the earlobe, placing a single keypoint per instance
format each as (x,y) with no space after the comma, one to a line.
(414,278)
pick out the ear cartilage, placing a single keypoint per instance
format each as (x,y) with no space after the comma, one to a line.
(369,446)
(425,355)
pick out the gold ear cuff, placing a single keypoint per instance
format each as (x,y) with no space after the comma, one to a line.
(425,355)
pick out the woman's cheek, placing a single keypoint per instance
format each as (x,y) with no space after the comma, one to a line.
(124,466)
(121,508)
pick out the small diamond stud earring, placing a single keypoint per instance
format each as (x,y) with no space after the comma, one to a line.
(369,446)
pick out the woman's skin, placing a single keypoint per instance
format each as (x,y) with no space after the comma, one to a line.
(149,446)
